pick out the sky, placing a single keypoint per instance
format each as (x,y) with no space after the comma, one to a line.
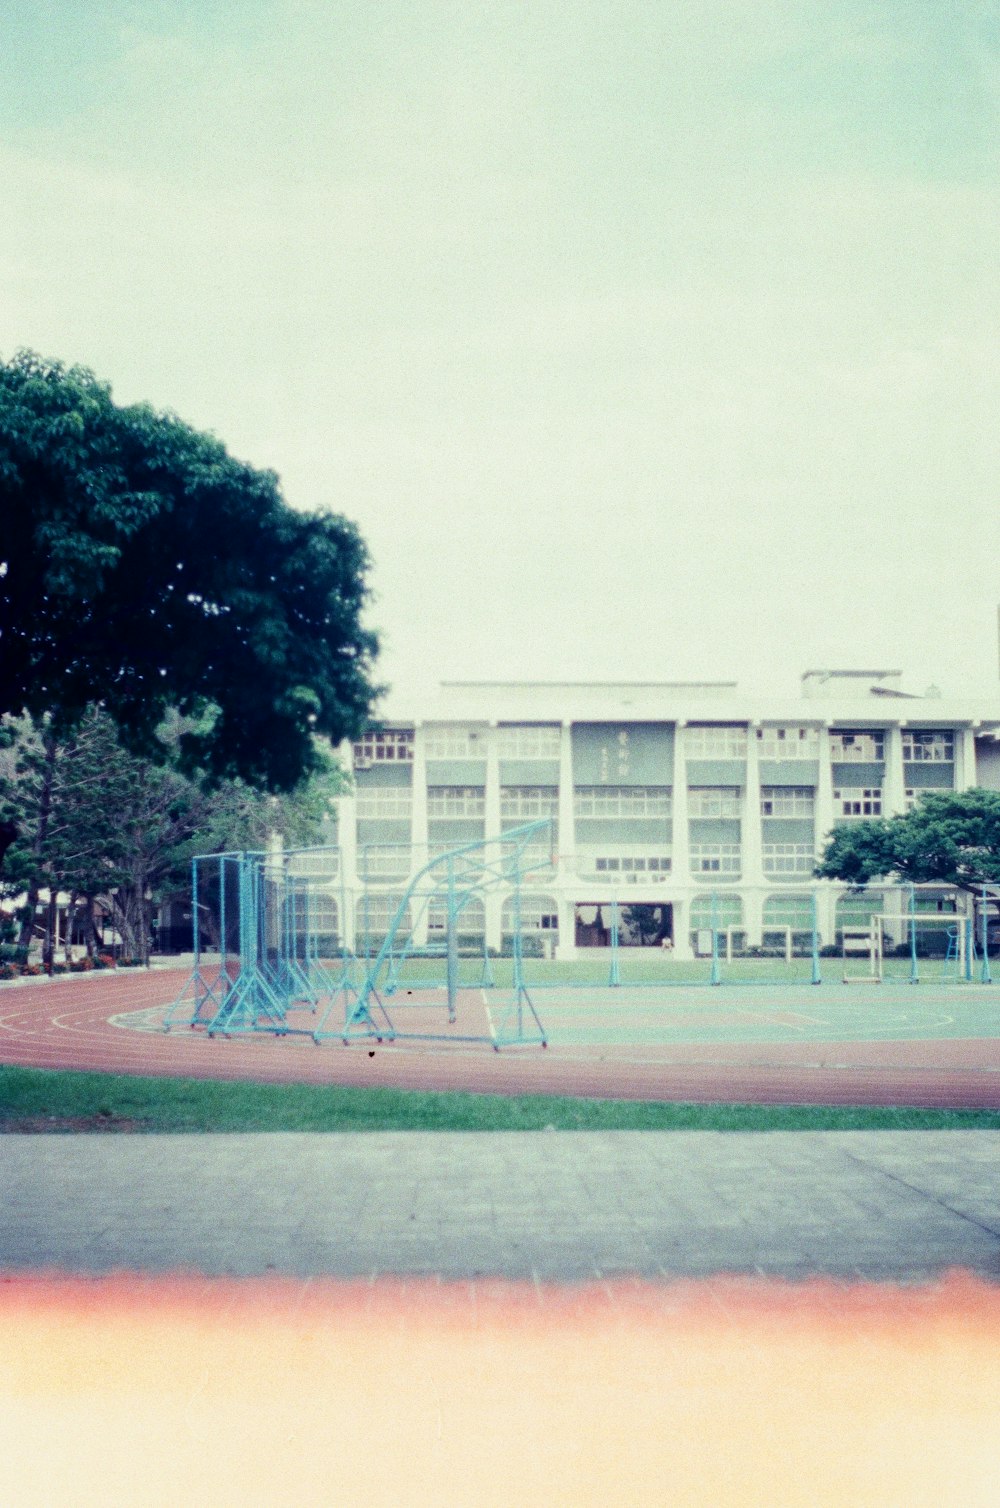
(644,340)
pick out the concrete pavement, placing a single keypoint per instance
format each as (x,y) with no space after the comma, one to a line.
(547,1205)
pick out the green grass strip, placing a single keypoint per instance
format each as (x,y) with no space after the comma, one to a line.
(40,1100)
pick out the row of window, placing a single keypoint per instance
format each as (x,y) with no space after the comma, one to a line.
(858,801)
(714,801)
(455,801)
(777,858)
(520,741)
(787,801)
(527,803)
(532,803)
(622,801)
(788,743)
(632,864)
(701,741)
(715,858)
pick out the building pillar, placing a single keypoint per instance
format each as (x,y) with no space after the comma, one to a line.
(824,791)
(753,915)
(894,788)
(567,821)
(419,850)
(965,758)
(566,907)
(680,860)
(347,842)
(682,928)
(493,900)
(566,873)
(826,912)
(491,827)
(418,819)
(493,903)
(751,843)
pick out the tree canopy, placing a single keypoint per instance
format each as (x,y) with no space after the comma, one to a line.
(949,837)
(143,568)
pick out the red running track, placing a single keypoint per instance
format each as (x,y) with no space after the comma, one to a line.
(74,1023)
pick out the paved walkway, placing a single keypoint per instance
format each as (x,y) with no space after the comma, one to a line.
(550,1206)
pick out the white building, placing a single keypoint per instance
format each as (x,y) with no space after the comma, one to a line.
(662,794)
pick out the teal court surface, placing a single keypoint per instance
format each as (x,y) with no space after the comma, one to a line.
(767,1013)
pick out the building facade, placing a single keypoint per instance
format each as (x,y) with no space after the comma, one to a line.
(693,804)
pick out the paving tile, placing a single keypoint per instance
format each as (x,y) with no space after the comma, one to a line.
(564,1206)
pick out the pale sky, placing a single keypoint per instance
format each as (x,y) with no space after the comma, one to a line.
(651,339)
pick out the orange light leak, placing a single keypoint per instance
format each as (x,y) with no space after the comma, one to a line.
(120,1391)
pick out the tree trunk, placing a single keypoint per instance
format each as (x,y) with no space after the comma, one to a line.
(28,910)
(8,835)
(70,923)
(94,941)
(38,847)
(51,922)
(125,919)
(144,922)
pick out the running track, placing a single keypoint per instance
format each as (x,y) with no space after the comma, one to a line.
(77,1023)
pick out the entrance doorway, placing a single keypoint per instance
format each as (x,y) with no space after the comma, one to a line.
(640,924)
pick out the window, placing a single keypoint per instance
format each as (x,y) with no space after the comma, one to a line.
(715,858)
(920,747)
(622,801)
(857,802)
(527,803)
(538,914)
(619,864)
(714,801)
(454,742)
(455,801)
(715,741)
(376,914)
(786,801)
(377,748)
(380,862)
(795,911)
(716,911)
(470,920)
(788,858)
(529,741)
(865,748)
(385,803)
(788,743)
(315,865)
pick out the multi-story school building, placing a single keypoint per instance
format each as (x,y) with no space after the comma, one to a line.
(690,804)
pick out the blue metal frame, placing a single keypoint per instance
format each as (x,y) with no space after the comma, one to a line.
(456,876)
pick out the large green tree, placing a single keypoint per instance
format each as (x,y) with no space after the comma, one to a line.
(143,568)
(949,837)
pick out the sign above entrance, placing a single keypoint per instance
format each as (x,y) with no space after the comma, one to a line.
(623,754)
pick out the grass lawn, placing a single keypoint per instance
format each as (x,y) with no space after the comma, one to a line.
(33,1099)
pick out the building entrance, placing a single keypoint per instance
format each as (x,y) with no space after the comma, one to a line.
(640,924)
